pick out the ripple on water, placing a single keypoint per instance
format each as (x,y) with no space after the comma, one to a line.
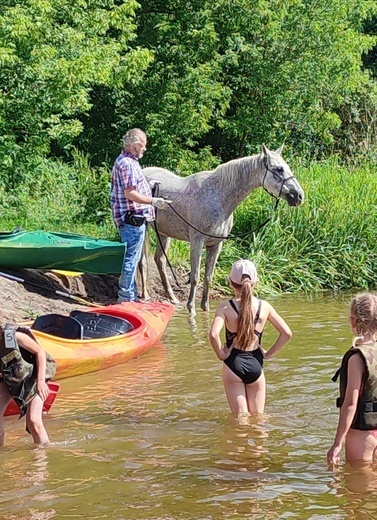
(153,438)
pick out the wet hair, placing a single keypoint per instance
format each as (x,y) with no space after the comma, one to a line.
(363,310)
(245,328)
(132,136)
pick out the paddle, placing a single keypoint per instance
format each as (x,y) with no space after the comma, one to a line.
(58,293)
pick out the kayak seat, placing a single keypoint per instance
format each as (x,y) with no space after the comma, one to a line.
(98,325)
(58,325)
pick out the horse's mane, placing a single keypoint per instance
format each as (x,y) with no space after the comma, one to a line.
(229,172)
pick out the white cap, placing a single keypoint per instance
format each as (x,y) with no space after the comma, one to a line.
(243,268)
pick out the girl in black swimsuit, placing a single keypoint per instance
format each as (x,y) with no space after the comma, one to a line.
(244,318)
(246,364)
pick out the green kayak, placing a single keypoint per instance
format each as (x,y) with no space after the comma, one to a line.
(44,250)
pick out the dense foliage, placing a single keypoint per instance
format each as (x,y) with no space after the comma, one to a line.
(52,53)
(227,76)
(208,81)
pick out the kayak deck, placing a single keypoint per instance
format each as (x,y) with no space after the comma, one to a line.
(69,251)
(80,356)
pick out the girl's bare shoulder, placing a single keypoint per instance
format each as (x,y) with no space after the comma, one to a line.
(222,308)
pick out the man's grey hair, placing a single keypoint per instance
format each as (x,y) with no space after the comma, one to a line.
(132,136)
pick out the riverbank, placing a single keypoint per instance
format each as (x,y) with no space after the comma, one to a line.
(23,301)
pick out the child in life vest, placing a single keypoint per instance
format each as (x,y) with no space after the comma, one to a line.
(357,425)
(23,376)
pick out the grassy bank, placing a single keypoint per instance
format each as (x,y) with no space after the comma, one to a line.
(327,243)
(330,242)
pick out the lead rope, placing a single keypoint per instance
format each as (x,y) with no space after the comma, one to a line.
(228,237)
(156,190)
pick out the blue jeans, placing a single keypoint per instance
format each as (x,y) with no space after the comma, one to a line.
(134,238)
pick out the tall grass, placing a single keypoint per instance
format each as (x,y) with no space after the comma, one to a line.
(55,196)
(327,243)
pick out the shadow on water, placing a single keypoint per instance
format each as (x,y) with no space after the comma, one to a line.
(153,438)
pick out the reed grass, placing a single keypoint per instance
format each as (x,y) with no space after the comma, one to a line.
(328,243)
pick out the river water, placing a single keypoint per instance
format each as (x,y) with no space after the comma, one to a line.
(153,438)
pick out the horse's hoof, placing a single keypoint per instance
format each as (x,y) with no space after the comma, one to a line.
(205,306)
(191,310)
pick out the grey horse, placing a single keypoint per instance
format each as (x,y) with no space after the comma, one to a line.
(207,200)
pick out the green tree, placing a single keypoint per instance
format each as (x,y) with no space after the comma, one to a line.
(289,65)
(227,76)
(181,96)
(52,54)
(207,81)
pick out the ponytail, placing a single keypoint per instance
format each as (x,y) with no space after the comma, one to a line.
(245,329)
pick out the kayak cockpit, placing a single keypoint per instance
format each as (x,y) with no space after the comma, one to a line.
(81,325)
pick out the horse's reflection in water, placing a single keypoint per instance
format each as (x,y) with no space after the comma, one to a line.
(203,325)
(192,324)
(202,209)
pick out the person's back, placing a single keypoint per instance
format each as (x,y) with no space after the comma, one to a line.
(244,318)
(259,314)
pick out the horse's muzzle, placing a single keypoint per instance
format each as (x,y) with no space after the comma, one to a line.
(294,199)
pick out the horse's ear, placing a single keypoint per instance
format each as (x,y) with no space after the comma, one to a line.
(264,155)
(279,151)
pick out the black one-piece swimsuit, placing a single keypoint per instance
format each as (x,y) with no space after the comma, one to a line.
(246,364)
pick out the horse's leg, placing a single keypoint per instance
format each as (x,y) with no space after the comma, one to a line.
(163,244)
(212,255)
(141,281)
(143,269)
(197,242)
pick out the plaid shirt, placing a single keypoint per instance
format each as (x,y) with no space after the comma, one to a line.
(126,174)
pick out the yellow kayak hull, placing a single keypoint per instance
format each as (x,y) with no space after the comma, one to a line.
(76,357)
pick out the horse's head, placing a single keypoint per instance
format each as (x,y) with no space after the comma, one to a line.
(278,179)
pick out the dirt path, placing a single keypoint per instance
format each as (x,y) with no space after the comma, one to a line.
(23,301)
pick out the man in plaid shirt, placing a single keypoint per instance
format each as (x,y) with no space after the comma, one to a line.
(132,206)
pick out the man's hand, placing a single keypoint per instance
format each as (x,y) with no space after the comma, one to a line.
(160,203)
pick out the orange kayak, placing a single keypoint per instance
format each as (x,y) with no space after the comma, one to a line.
(89,354)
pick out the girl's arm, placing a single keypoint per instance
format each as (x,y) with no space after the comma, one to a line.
(32,346)
(282,328)
(347,412)
(214,334)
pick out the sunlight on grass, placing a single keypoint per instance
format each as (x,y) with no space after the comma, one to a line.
(327,243)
